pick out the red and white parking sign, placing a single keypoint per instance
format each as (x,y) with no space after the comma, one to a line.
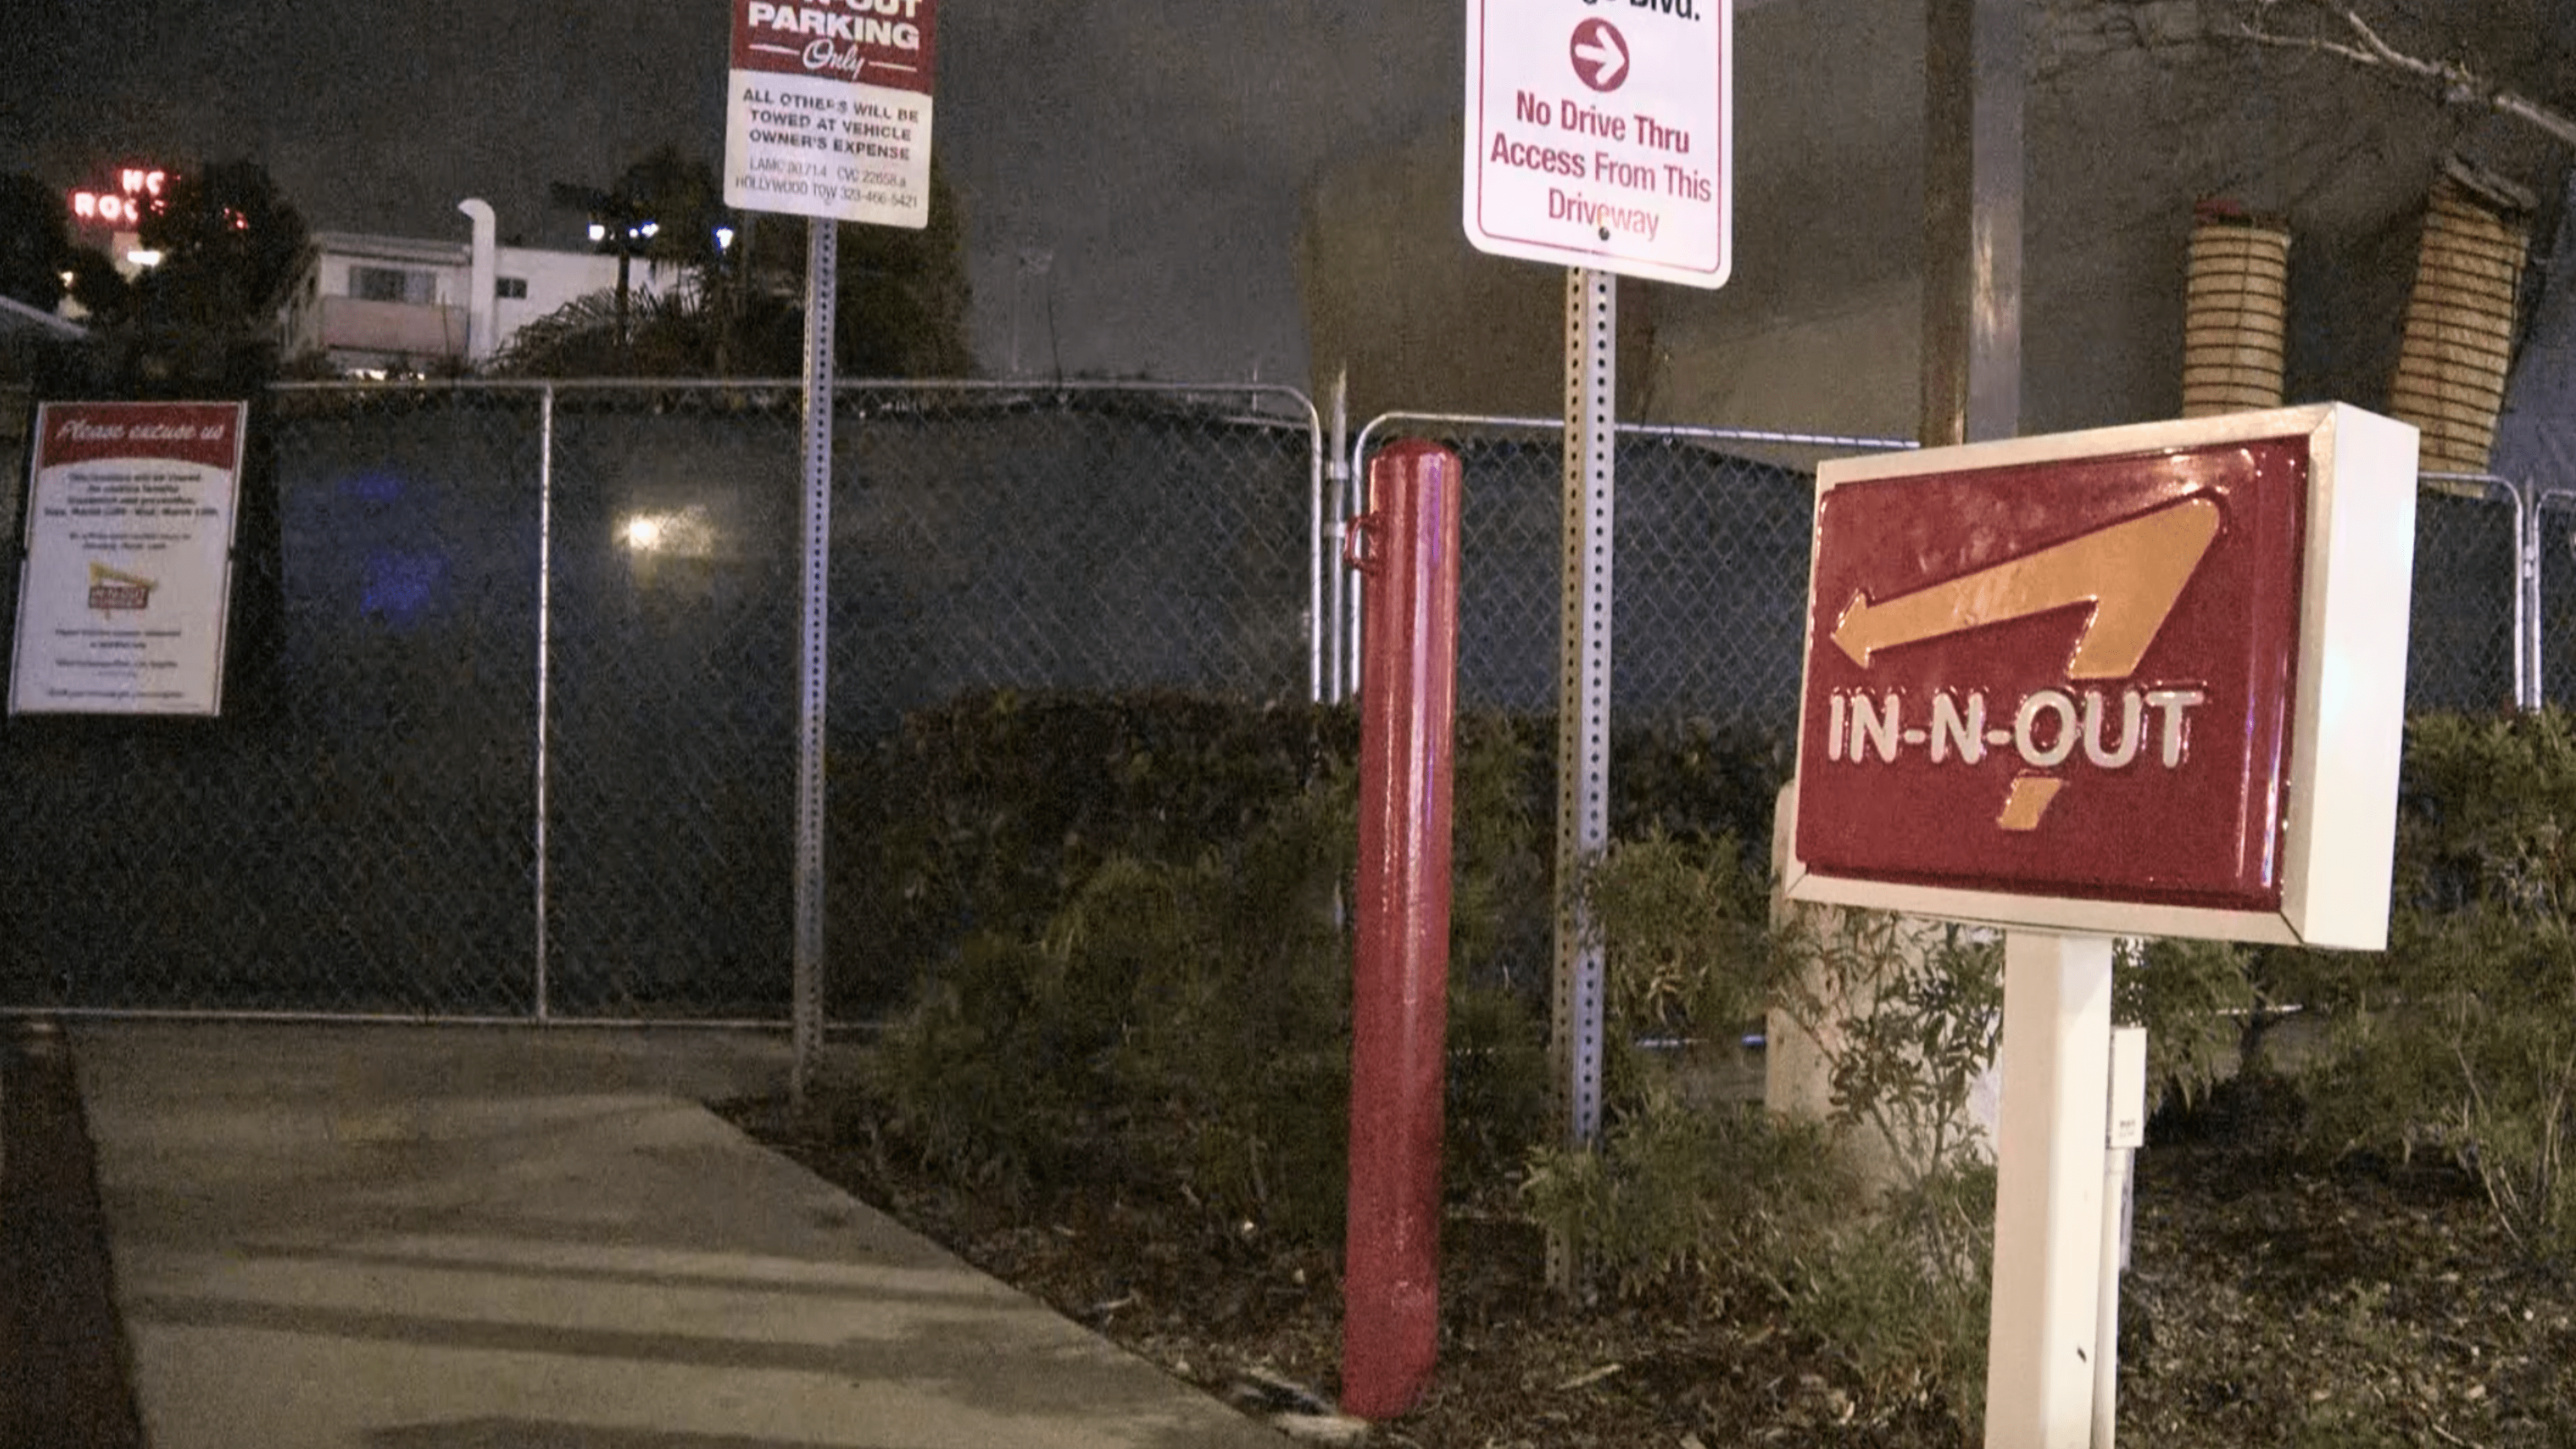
(2144,680)
(827,109)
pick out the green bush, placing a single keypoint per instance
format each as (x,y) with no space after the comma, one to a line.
(1181,1023)
(2195,998)
(2461,1037)
(987,815)
(1154,975)
(1902,1294)
(1907,1013)
(1689,1192)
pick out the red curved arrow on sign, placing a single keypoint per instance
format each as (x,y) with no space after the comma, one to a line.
(2131,573)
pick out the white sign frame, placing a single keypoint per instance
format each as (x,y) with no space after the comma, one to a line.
(2357,583)
(125,586)
(1589,128)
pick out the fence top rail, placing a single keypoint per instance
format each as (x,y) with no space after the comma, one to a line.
(1689,432)
(1067,386)
(2482,485)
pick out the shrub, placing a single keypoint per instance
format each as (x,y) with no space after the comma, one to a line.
(1907,1014)
(1167,998)
(987,815)
(1682,1192)
(1185,1023)
(2462,1036)
(2200,1002)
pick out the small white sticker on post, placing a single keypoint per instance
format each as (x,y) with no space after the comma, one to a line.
(2129,1087)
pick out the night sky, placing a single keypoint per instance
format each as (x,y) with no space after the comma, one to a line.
(1156,150)
(1161,152)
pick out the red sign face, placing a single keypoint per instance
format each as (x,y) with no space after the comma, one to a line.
(2059,679)
(873,42)
(207,433)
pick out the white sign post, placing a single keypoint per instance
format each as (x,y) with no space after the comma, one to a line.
(1601,136)
(122,603)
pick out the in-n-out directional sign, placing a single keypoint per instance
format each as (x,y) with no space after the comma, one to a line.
(1601,136)
(2138,681)
(827,109)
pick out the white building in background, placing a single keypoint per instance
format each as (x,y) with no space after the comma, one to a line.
(403,304)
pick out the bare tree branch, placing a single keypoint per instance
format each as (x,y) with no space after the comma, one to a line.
(2458,83)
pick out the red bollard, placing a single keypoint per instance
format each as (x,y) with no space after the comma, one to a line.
(1399,989)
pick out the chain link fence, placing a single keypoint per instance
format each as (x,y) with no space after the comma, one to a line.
(353,833)
(1708,582)
(2464,647)
(2551,556)
(509,723)
(511,693)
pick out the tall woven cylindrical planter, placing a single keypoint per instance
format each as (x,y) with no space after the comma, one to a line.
(2235,312)
(2460,319)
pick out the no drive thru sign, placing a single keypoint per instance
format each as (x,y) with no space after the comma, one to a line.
(1599,133)
(2144,680)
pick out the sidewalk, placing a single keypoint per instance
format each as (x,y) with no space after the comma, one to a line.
(436,1238)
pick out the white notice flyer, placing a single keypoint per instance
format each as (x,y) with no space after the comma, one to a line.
(123,593)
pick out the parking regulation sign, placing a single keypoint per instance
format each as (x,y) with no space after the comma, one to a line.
(827,109)
(1599,135)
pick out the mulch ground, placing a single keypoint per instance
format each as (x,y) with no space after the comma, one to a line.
(2273,1299)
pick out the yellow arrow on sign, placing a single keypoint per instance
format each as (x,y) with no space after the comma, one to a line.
(2131,573)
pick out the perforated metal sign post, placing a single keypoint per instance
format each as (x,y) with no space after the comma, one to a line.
(1602,140)
(1583,716)
(2143,681)
(2140,681)
(814,612)
(827,116)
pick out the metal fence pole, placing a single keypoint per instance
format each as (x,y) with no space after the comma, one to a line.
(545,656)
(2527,692)
(821,289)
(2541,499)
(1338,487)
